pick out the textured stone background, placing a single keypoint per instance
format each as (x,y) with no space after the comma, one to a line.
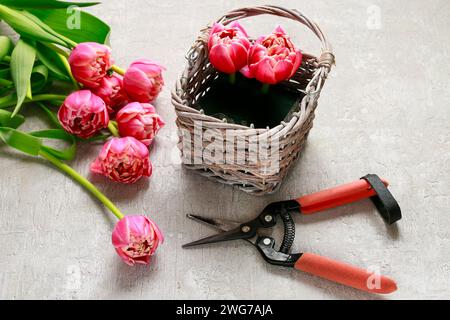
(385,110)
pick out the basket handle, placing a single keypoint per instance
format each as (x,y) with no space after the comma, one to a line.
(326,59)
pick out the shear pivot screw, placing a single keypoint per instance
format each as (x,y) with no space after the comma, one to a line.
(268,218)
(245,229)
(266,241)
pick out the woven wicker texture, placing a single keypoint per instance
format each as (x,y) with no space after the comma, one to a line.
(291,134)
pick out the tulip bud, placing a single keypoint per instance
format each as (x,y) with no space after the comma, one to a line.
(123,160)
(83,114)
(139,120)
(112,92)
(136,239)
(228,47)
(143,80)
(273,58)
(90,62)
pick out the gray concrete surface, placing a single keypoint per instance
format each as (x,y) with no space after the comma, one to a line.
(385,110)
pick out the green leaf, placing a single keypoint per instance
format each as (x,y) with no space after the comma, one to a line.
(79,28)
(5,73)
(12,122)
(39,78)
(45,27)
(22,62)
(58,134)
(5,83)
(26,27)
(51,115)
(99,137)
(6,46)
(8,100)
(53,61)
(32,143)
(11,99)
(21,141)
(44,4)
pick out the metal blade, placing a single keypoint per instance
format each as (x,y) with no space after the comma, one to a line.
(218,224)
(235,234)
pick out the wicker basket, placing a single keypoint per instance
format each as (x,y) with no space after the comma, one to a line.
(291,134)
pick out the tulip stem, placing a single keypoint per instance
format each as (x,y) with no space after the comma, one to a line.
(82,181)
(12,100)
(57,49)
(118,70)
(69,71)
(232,78)
(113,128)
(64,55)
(47,97)
(265,88)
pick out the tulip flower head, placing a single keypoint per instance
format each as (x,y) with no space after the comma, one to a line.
(136,239)
(228,47)
(273,58)
(89,63)
(124,160)
(83,114)
(112,92)
(139,120)
(143,80)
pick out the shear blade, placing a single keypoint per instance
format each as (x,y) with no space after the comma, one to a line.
(218,224)
(234,234)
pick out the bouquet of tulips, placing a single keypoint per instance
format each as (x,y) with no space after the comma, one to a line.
(270,59)
(69,75)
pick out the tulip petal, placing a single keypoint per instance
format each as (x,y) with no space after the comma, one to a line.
(125,258)
(217,27)
(219,57)
(257,53)
(282,70)
(239,55)
(246,72)
(298,61)
(279,29)
(264,72)
(96,166)
(158,232)
(238,26)
(121,234)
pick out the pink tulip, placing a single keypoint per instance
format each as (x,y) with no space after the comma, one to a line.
(90,62)
(83,114)
(136,239)
(123,160)
(143,80)
(273,58)
(228,47)
(112,92)
(139,120)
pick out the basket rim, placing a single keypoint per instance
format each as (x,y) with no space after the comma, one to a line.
(326,58)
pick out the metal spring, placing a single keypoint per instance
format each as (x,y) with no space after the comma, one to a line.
(289,232)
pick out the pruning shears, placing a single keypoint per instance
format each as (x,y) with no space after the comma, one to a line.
(370,186)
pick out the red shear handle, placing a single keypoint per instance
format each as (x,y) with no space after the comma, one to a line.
(337,196)
(345,274)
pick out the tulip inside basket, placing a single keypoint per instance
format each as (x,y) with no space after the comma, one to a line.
(247,88)
(263,86)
